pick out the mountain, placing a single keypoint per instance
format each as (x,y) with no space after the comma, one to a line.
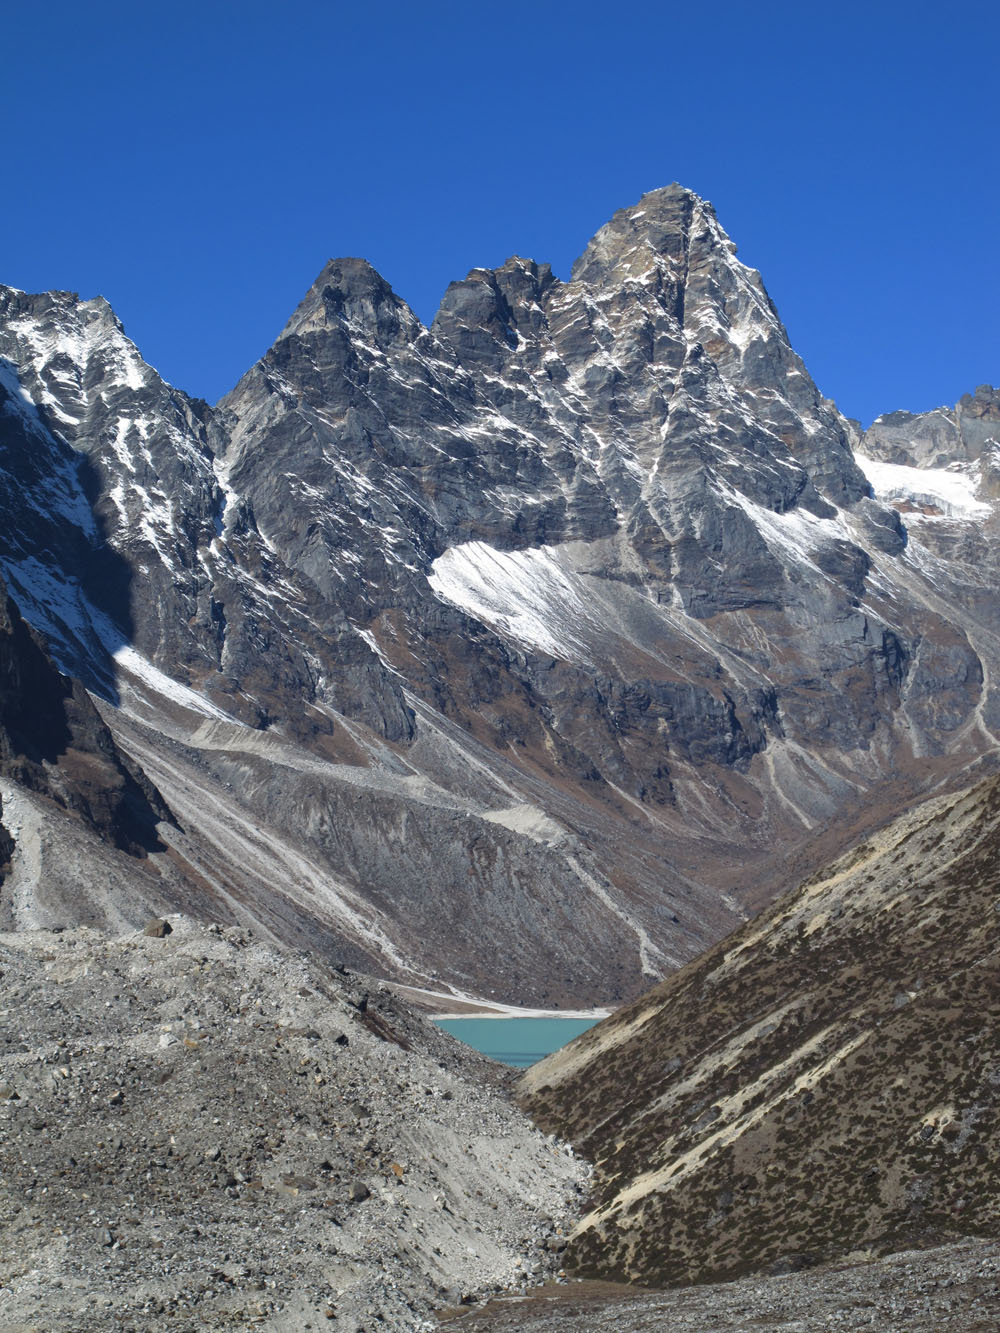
(523,655)
(823,1084)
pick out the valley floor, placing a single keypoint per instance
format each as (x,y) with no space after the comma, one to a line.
(956,1287)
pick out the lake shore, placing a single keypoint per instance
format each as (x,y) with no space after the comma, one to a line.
(450,1004)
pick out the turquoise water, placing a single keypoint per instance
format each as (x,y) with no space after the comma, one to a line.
(516,1041)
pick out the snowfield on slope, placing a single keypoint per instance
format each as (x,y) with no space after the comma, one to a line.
(525,593)
(952,490)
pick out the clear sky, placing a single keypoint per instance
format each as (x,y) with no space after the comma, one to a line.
(197,163)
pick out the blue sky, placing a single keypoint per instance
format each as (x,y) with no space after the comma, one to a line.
(198,163)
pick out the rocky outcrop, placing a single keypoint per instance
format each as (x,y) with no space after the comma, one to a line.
(53,742)
(938,439)
(6,846)
(824,1082)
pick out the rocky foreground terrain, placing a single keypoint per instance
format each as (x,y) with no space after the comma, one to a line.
(197,1132)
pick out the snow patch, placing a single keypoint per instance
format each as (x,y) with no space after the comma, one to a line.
(372,643)
(525,594)
(61,611)
(137,666)
(951,490)
(794,535)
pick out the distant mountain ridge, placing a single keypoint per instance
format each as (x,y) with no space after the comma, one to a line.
(527,652)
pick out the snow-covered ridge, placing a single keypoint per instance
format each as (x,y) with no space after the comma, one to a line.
(951,490)
(57,351)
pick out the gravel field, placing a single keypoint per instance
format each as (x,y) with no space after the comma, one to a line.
(197,1132)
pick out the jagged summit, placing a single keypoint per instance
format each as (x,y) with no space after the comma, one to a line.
(67,308)
(350,290)
(663,223)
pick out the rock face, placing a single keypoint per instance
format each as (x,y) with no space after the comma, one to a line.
(53,742)
(963,434)
(561,625)
(826,1081)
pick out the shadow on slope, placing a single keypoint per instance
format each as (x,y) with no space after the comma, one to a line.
(53,741)
(66,578)
(70,600)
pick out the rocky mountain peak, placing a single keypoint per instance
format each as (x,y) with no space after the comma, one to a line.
(669,256)
(71,355)
(350,292)
(661,224)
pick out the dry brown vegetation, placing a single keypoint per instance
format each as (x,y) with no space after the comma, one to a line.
(824,1082)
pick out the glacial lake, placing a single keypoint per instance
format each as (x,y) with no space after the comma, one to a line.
(516,1041)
